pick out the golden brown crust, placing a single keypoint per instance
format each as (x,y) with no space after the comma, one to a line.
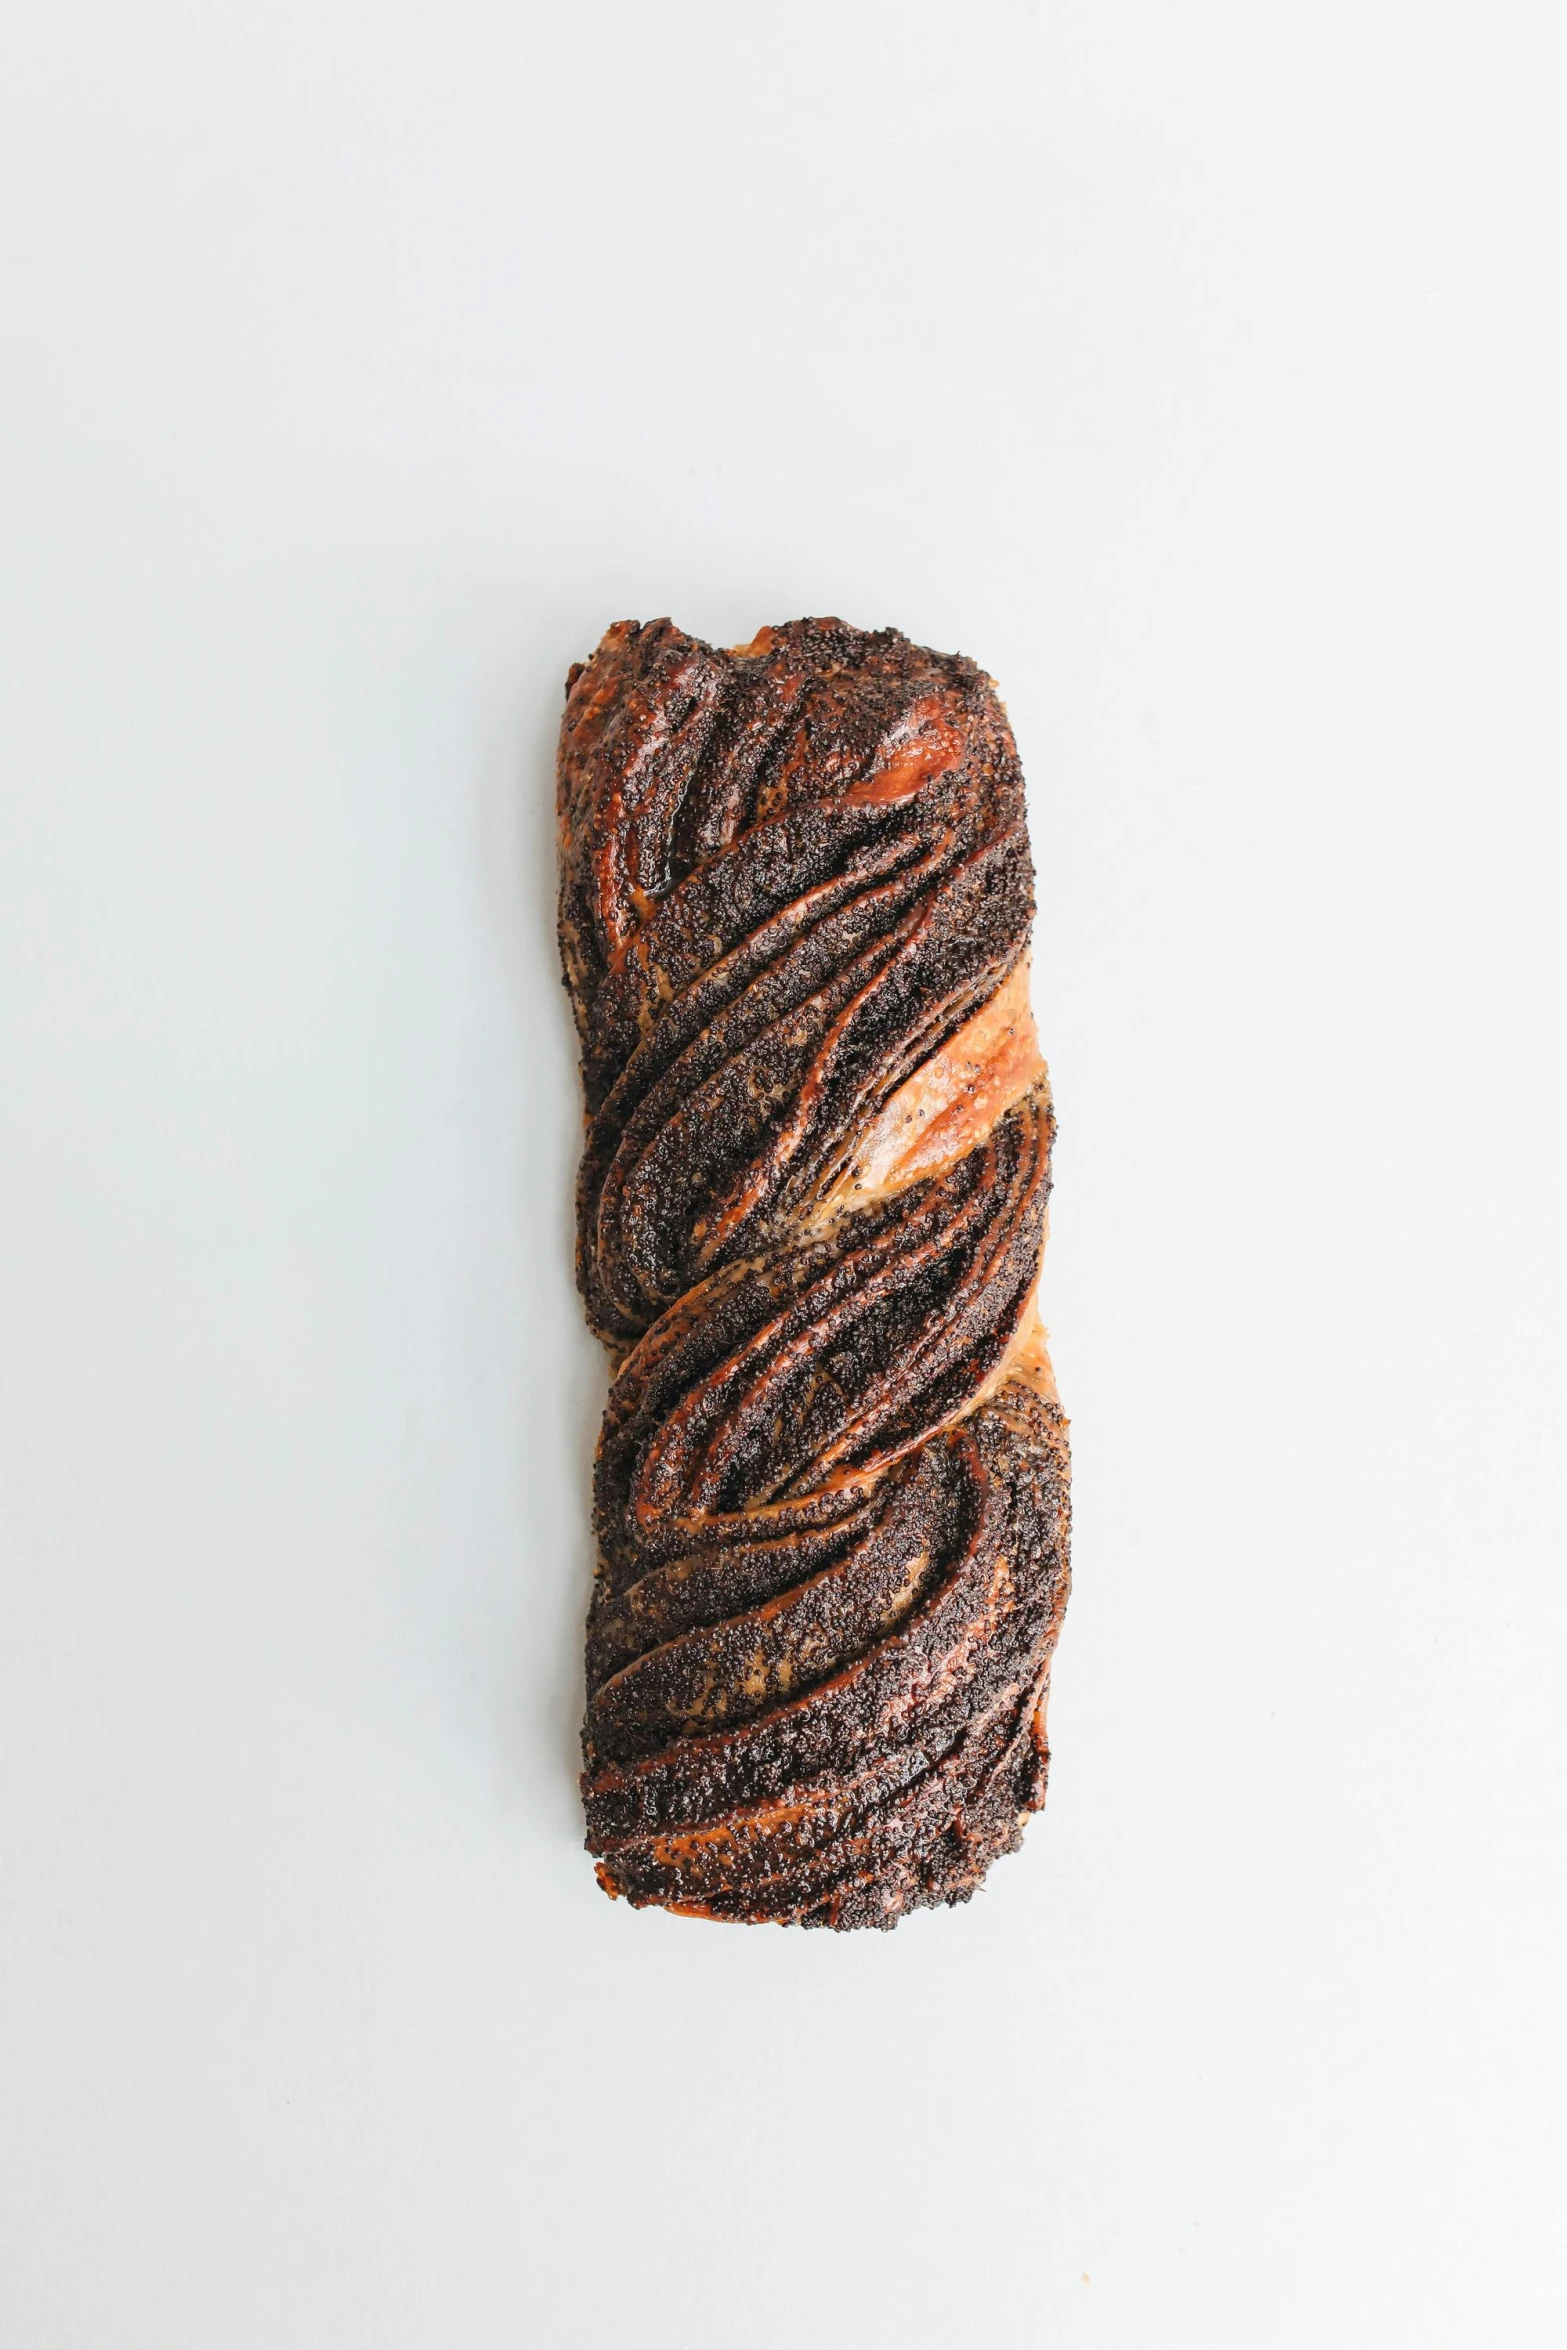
(831,1491)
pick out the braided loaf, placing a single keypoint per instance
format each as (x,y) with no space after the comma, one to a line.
(831,1488)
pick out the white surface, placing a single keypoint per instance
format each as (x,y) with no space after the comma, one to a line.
(1199,368)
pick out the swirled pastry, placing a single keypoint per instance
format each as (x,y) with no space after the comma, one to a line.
(831,1487)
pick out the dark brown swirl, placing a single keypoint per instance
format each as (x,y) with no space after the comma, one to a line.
(831,1492)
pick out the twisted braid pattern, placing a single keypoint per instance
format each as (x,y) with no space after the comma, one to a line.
(831,1488)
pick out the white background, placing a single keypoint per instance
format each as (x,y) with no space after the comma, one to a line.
(1197,367)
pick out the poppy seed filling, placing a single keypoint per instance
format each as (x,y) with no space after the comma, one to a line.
(831,1491)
